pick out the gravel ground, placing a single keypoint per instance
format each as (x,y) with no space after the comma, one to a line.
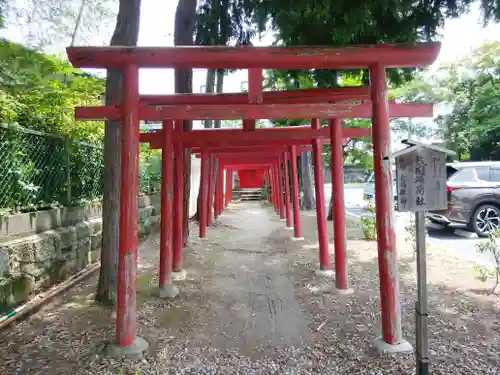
(251,305)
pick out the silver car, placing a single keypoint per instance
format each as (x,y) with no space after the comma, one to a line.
(369,188)
(473,197)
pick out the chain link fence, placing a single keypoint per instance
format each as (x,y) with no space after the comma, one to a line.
(38,170)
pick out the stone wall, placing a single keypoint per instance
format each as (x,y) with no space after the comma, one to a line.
(40,249)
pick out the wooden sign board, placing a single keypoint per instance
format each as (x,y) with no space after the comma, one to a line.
(421,180)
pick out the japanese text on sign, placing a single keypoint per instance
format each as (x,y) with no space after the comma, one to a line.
(421,180)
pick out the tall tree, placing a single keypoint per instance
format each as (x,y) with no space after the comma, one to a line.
(54,24)
(183,36)
(220,23)
(289,80)
(334,22)
(126,34)
(207,124)
(471,88)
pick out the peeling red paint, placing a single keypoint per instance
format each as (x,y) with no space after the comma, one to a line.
(229,186)
(166,225)
(178,199)
(389,288)
(338,207)
(280,187)
(203,192)
(287,190)
(245,57)
(129,212)
(295,192)
(361,93)
(324,257)
(350,109)
(210,189)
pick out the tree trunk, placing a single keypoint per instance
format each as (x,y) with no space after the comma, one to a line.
(207,124)
(217,125)
(334,81)
(219,89)
(330,205)
(183,36)
(209,89)
(308,202)
(125,34)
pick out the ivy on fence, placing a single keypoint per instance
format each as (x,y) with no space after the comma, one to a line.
(38,170)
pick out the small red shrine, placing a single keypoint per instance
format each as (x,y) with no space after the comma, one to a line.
(251,178)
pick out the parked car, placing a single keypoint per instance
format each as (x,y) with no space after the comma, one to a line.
(473,197)
(369,188)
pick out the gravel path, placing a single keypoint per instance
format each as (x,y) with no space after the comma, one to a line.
(251,305)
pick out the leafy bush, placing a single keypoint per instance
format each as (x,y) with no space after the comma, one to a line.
(39,92)
(492,247)
(368,223)
(64,163)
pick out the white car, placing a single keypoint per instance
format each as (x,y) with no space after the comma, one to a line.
(369,188)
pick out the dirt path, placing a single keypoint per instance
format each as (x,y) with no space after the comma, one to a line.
(251,290)
(252,305)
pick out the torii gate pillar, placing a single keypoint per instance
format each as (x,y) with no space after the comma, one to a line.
(338,205)
(392,337)
(287,191)
(297,234)
(229,187)
(210,199)
(178,272)
(203,193)
(127,342)
(324,256)
(166,288)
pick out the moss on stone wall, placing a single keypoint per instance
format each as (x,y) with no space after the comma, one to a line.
(33,263)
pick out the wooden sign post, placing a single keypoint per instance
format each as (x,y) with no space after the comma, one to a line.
(421,186)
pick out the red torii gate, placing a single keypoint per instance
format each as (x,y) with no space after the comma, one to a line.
(129,59)
(249,160)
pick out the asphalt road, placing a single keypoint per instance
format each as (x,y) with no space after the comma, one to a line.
(445,239)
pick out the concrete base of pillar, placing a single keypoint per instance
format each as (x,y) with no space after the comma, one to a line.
(325,273)
(181,275)
(297,238)
(168,291)
(381,347)
(289,228)
(137,349)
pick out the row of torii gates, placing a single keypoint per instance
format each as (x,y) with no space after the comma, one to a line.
(274,150)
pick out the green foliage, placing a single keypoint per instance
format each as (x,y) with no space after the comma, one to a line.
(47,156)
(352,22)
(40,169)
(471,88)
(492,247)
(221,22)
(150,171)
(482,272)
(264,193)
(368,223)
(340,23)
(39,92)
(411,233)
